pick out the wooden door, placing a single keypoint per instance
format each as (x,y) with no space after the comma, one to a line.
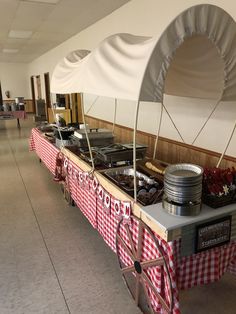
(76,108)
(80,117)
(47,92)
(47,89)
(67,101)
(1,100)
(33,92)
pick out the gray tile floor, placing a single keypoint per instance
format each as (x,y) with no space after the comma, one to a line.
(52,260)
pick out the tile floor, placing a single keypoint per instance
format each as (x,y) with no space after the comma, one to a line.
(51,260)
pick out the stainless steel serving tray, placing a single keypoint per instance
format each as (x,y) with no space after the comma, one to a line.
(94,142)
(111,173)
(94,133)
(120,152)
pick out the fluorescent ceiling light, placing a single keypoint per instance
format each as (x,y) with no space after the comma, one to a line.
(43,1)
(20,34)
(8,50)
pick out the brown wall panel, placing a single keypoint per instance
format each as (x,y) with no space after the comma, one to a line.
(167,150)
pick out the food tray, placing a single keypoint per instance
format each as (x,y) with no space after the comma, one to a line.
(144,198)
(111,173)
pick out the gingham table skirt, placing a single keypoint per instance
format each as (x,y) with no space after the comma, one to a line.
(45,150)
(20,114)
(185,272)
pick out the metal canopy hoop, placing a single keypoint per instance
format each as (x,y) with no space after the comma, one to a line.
(86,133)
(137,267)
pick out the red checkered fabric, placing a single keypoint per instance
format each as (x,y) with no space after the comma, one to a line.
(32,145)
(185,272)
(82,194)
(44,149)
(20,114)
(107,224)
(206,267)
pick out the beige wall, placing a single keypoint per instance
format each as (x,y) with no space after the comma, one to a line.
(149,18)
(14,77)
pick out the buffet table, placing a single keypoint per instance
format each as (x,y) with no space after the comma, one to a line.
(146,231)
(6,115)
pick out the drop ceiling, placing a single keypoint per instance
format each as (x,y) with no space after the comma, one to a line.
(29,28)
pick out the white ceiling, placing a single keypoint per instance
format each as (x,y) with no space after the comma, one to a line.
(51,24)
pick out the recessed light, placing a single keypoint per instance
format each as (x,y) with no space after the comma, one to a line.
(43,1)
(19,34)
(8,50)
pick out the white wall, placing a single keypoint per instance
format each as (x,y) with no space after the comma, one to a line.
(149,18)
(14,77)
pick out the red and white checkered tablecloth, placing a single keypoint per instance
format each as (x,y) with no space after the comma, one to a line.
(185,272)
(205,267)
(82,193)
(20,114)
(46,151)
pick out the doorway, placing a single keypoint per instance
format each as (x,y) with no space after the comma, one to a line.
(38,86)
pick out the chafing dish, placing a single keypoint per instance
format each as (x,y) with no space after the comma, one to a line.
(64,133)
(45,127)
(120,152)
(97,137)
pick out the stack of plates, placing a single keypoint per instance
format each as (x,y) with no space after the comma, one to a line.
(183,189)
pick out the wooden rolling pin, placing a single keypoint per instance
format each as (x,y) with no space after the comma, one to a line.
(155,166)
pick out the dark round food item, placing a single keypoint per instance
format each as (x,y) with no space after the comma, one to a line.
(152,190)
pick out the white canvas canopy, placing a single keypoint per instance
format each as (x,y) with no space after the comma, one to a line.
(195,56)
(67,74)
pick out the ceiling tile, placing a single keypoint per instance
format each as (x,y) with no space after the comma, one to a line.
(51,23)
(8,8)
(3,34)
(33,46)
(16,41)
(29,23)
(42,1)
(54,36)
(10,50)
(52,27)
(19,34)
(34,10)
